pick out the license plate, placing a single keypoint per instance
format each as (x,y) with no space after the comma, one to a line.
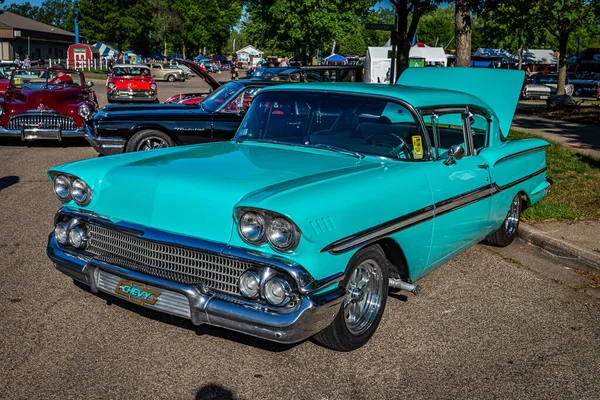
(137,292)
(543,97)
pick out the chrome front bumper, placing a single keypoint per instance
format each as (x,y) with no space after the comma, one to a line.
(130,96)
(105,145)
(41,133)
(310,315)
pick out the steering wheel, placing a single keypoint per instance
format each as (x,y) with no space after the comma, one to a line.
(395,149)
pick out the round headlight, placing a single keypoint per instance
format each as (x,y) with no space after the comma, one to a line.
(282,234)
(249,284)
(60,233)
(111,85)
(77,237)
(84,111)
(277,291)
(80,192)
(252,227)
(62,188)
(153,86)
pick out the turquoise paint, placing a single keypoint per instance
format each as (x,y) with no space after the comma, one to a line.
(195,190)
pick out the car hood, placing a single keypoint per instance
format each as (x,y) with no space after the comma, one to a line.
(52,99)
(193,190)
(499,89)
(141,111)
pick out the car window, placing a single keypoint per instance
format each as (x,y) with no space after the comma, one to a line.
(221,96)
(479,131)
(447,129)
(360,124)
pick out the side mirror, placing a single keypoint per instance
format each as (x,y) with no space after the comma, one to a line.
(455,152)
(89,84)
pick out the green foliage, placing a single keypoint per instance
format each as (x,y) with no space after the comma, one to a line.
(304,26)
(437,26)
(57,13)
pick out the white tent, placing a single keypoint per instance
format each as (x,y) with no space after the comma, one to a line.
(507,57)
(377,65)
(538,56)
(430,54)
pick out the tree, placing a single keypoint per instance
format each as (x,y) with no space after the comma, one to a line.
(436,28)
(462,18)
(561,18)
(166,20)
(25,9)
(406,28)
(302,26)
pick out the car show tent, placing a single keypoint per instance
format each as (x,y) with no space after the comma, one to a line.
(106,50)
(249,55)
(336,58)
(377,64)
(432,55)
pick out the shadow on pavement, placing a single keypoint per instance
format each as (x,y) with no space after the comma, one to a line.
(186,324)
(69,142)
(8,181)
(213,391)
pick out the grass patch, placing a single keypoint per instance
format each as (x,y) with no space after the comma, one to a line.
(95,74)
(576,190)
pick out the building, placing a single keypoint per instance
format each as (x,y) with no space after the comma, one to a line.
(249,55)
(22,36)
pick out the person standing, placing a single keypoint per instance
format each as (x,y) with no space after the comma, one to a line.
(27,62)
(18,61)
(284,63)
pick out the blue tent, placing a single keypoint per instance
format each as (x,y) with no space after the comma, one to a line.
(336,58)
(155,55)
(200,57)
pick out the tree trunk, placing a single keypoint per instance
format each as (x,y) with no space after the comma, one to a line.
(402,43)
(562,58)
(463,33)
(520,58)
(165,53)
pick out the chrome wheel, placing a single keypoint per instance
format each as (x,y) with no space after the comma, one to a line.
(512,219)
(152,143)
(363,296)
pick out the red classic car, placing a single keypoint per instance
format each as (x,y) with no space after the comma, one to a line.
(4,80)
(42,103)
(131,83)
(194,98)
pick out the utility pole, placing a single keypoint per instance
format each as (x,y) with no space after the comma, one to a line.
(76,22)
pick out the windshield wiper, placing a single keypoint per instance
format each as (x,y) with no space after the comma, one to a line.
(337,149)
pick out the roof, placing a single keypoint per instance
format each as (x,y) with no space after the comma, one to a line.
(538,56)
(430,54)
(250,50)
(378,52)
(19,22)
(416,96)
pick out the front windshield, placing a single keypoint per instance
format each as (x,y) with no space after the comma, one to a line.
(359,124)
(41,78)
(131,71)
(221,96)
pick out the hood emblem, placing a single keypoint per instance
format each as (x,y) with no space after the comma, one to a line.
(42,108)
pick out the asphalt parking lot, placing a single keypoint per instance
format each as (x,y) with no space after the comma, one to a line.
(486,325)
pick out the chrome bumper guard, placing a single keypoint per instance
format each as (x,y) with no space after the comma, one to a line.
(133,95)
(311,314)
(105,145)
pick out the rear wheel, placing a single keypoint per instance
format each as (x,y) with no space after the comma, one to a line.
(508,231)
(149,139)
(366,281)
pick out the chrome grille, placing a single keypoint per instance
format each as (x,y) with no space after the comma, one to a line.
(178,264)
(42,120)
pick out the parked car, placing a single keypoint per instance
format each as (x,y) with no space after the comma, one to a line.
(583,86)
(4,81)
(196,97)
(127,128)
(188,73)
(131,83)
(328,196)
(162,72)
(42,103)
(543,86)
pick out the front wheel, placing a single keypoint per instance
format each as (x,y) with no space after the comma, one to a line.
(171,78)
(366,281)
(508,231)
(149,139)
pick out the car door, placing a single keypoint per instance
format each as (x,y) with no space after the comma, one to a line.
(228,118)
(156,71)
(461,187)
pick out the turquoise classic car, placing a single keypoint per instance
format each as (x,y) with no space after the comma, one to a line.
(328,197)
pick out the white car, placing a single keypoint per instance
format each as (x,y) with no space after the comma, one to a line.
(543,86)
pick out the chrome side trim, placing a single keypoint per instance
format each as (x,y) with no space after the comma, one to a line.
(520,153)
(380,231)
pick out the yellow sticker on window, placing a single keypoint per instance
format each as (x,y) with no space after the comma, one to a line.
(417,147)
(17,81)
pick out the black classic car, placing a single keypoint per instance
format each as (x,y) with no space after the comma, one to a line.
(126,128)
